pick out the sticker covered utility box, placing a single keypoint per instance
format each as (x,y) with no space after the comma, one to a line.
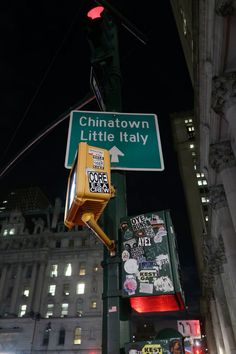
(150,263)
(161,346)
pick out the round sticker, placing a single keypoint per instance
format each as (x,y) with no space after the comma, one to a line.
(131,266)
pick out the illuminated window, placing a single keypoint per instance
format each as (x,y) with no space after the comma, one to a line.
(82,268)
(191,146)
(94,304)
(64,309)
(77,335)
(22,311)
(68,270)
(205,200)
(49,312)
(198,175)
(52,289)
(26,292)
(5,232)
(206,218)
(80,288)
(199,183)
(204,182)
(12,231)
(66,289)
(191,130)
(54,270)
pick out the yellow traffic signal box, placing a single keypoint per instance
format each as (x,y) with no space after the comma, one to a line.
(89,184)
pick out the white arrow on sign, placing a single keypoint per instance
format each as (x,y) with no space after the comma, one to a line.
(115,153)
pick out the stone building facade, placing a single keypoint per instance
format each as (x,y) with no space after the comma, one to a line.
(208,28)
(50,284)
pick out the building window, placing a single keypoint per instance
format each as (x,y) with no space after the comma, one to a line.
(46,334)
(95,268)
(29,271)
(12,231)
(22,311)
(9,292)
(52,289)
(58,244)
(5,232)
(82,268)
(93,304)
(66,289)
(77,335)
(62,334)
(91,335)
(79,307)
(49,312)
(13,272)
(26,292)
(64,309)
(54,270)
(71,243)
(80,288)
(68,270)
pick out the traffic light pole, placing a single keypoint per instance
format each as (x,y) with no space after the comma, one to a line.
(115,331)
(103,41)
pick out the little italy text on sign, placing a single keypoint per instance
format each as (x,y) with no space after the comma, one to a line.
(133,140)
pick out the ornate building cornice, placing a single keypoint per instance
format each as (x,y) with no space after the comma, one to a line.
(221,156)
(223,92)
(224,7)
(217,196)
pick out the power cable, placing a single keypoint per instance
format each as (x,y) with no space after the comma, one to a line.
(42,81)
(61,118)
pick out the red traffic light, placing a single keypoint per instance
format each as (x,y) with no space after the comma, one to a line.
(95,12)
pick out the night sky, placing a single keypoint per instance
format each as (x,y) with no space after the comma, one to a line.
(45,69)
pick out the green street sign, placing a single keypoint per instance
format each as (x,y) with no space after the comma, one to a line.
(132,139)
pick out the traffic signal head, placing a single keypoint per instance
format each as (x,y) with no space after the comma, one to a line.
(89,184)
(101,32)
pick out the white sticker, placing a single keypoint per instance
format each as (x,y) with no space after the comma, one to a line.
(98,158)
(131,266)
(146,288)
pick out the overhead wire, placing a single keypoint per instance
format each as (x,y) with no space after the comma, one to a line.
(45,75)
